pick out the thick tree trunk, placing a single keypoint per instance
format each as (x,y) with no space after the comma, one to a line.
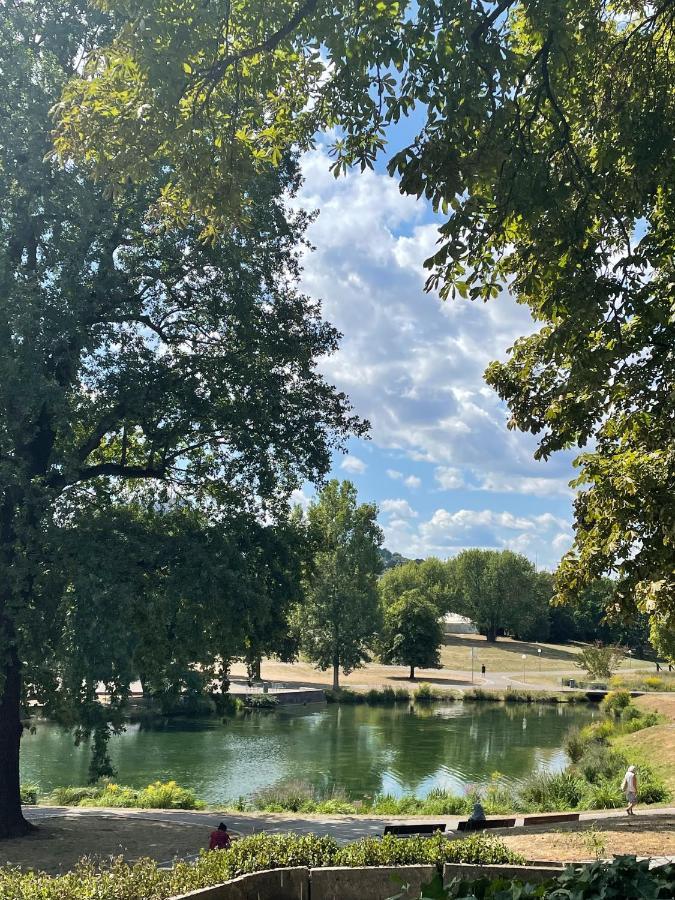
(12,822)
(412,673)
(256,666)
(491,634)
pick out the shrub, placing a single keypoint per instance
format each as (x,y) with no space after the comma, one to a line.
(575,745)
(600,762)
(260,701)
(605,794)
(73,796)
(425,693)
(158,795)
(624,877)
(550,792)
(29,793)
(599,661)
(615,702)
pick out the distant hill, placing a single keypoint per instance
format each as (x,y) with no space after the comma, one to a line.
(391,560)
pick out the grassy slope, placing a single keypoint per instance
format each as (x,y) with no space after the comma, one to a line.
(655,746)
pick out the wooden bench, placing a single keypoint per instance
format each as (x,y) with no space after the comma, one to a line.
(487,823)
(553,818)
(417,828)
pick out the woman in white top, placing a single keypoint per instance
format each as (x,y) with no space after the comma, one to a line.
(630,786)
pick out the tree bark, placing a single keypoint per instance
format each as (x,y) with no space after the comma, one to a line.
(12,822)
(336,673)
(491,634)
(412,673)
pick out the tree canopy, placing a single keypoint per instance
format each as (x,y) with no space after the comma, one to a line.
(340,616)
(146,375)
(430,577)
(545,137)
(412,633)
(496,590)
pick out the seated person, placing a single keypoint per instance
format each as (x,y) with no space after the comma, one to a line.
(220,838)
(477,815)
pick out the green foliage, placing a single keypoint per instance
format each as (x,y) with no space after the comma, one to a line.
(158,795)
(559,791)
(496,590)
(249,854)
(412,633)
(30,791)
(615,702)
(341,616)
(599,661)
(260,701)
(430,577)
(425,693)
(622,878)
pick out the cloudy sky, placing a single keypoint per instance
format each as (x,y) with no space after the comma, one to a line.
(441,464)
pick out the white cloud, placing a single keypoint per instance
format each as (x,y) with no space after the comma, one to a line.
(399,508)
(412,364)
(449,478)
(445,533)
(300,498)
(412,481)
(354,465)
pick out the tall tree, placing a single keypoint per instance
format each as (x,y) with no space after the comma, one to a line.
(430,577)
(547,129)
(340,617)
(135,360)
(412,633)
(496,590)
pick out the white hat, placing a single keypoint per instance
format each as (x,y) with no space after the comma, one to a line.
(631,768)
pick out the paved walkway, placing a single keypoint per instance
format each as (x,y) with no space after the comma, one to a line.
(342,828)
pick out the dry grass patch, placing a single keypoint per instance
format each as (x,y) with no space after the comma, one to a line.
(664,704)
(61,841)
(643,836)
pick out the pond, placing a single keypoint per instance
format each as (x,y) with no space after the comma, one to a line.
(366,750)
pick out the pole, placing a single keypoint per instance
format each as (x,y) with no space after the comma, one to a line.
(472,665)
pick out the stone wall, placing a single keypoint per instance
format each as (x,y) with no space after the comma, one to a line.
(372,883)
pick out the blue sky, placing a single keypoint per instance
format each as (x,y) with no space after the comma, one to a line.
(441,464)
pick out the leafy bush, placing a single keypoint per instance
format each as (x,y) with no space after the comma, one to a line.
(250,854)
(260,701)
(73,796)
(623,878)
(158,795)
(615,702)
(550,792)
(575,745)
(425,693)
(29,793)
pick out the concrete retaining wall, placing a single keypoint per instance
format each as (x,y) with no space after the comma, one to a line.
(376,883)
(343,883)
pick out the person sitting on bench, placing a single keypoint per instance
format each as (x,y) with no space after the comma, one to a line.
(477,816)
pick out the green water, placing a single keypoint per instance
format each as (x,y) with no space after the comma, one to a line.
(367,750)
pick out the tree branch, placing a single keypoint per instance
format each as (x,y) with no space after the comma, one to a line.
(489,20)
(219,68)
(118,470)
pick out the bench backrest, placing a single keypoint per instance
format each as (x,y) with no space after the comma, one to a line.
(418,828)
(552,818)
(487,823)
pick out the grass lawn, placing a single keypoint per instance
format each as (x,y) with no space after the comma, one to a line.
(504,657)
(643,836)
(654,746)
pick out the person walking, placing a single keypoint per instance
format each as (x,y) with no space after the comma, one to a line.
(630,786)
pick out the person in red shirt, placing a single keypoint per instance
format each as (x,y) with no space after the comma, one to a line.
(220,838)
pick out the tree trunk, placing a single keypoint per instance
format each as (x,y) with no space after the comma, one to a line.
(336,673)
(255,669)
(12,822)
(412,673)
(491,634)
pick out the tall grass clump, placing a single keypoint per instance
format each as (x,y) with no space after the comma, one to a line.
(158,795)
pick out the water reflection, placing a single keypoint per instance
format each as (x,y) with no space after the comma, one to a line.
(364,749)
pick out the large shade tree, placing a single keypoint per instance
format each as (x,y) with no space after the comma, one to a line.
(496,590)
(340,617)
(546,136)
(136,361)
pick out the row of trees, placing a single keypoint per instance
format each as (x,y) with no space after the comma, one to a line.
(350,614)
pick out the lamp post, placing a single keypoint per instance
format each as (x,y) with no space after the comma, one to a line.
(472,665)
(524,658)
(539,655)
(630,659)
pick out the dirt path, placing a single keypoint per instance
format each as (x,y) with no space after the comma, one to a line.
(66,835)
